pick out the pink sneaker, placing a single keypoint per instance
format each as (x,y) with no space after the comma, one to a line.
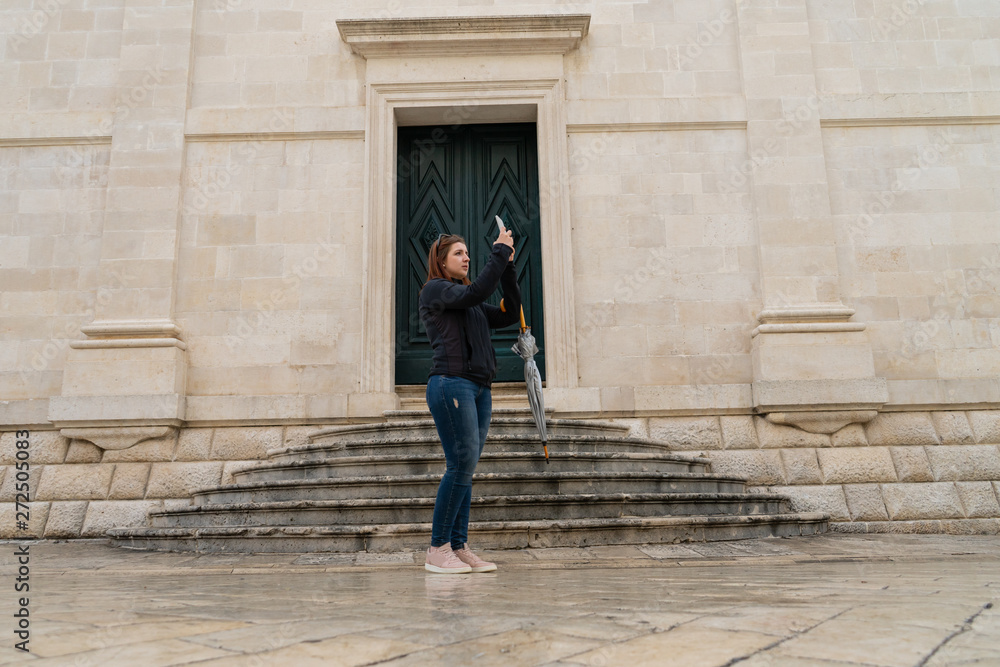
(443,560)
(472,560)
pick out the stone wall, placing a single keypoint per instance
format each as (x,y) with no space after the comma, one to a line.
(919,244)
(933,472)
(51,218)
(681,119)
(902,472)
(752,206)
(269,286)
(668,300)
(80,490)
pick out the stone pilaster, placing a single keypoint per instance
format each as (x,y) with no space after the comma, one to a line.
(131,369)
(807,353)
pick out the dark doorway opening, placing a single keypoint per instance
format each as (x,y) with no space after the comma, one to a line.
(454,180)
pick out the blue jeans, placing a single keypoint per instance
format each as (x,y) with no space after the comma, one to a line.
(461,410)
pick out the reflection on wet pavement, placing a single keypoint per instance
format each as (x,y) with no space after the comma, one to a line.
(826,600)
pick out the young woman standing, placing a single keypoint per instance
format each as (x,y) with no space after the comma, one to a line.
(458,320)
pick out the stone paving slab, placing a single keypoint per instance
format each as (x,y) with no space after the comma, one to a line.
(883,600)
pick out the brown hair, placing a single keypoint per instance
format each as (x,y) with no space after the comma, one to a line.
(437,255)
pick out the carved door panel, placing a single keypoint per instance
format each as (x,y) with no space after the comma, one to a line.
(454,180)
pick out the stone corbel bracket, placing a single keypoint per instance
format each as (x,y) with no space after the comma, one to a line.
(115,438)
(822,421)
(464,36)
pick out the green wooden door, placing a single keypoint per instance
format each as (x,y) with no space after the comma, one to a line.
(454,180)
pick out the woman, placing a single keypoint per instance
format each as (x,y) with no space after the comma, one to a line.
(458,322)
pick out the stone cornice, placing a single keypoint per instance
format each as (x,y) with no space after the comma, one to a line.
(20,142)
(129,333)
(671,126)
(806,313)
(920,121)
(114,343)
(220,137)
(463,36)
(816,318)
(808,327)
(131,328)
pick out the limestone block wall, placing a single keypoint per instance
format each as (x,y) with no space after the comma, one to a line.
(662,102)
(914,47)
(61,58)
(265,54)
(80,490)
(933,472)
(269,292)
(51,216)
(916,208)
(668,298)
(712,145)
(642,56)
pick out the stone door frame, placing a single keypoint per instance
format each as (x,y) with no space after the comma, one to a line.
(390,105)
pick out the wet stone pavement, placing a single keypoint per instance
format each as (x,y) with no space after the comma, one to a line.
(826,600)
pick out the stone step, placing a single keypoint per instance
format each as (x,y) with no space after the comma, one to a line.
(488,462)
(504,395)
(371,487)
(483,534)
(511,401)
(429,445)
(506,483)
(403,430)
(486,508)
(416,414)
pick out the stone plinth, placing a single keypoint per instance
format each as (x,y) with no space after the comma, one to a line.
(813,359)
(125,374)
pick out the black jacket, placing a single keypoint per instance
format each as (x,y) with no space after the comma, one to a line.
(458,321)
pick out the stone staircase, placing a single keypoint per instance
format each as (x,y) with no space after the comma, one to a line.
(371,487)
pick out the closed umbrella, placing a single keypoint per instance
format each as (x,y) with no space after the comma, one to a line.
(526,349)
